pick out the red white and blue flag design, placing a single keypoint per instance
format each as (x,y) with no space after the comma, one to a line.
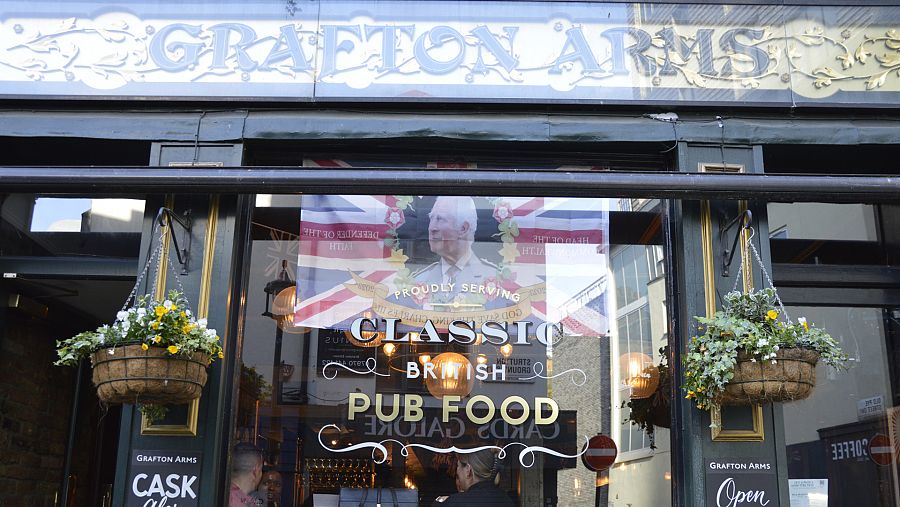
(560,244)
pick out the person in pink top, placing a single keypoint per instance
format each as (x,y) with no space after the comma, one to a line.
(246,471)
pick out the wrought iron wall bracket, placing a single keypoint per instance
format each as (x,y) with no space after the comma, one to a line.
(746,220)
(186,223)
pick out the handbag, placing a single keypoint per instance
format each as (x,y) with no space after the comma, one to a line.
(378,497)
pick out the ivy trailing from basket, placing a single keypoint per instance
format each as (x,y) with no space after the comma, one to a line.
(748,326)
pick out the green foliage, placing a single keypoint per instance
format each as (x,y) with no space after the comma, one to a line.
(749,323)
(153,412)
(167,324)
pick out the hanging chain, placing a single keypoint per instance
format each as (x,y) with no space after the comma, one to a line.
(765,273)
(159,261)
(769,280)
(153,255)
(156,255)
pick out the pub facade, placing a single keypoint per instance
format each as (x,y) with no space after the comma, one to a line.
(424,230)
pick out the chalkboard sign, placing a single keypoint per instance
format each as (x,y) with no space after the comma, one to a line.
(739,481)
(163,478)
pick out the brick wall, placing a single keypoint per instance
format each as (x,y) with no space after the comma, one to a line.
(35,403)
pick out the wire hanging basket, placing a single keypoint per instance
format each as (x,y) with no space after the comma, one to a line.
(791,377)
(752,352)
(131,375)
(136,373)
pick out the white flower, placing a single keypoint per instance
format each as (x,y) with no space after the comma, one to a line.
(102,339)
(141,312)
(201,322)
(126,325)
(187,312)
(752,359)
(122,315)
(210,333)
(762,342)
(167,304)
(776,347)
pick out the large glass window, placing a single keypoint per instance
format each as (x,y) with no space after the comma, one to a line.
(841,441)
(834,265)
(394,341)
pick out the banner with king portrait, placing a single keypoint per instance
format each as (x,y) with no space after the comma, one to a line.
(414,263)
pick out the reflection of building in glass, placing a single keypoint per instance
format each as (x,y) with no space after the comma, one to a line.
(640,331)
(637,272)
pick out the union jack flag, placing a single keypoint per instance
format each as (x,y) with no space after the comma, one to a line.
(559,242)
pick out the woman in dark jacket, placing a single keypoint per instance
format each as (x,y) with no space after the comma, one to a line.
(477,476)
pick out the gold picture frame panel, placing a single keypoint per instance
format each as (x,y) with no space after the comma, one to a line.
(188,427)
(165,428)
(719,433)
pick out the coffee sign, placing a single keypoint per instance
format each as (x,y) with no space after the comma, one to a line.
(741,483)
(163,479)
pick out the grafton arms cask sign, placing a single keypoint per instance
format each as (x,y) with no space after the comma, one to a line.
(470,51)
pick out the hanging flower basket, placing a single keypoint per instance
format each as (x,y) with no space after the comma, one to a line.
(752,352)
(154,353)
(792,376)
(745,355)
(129,374)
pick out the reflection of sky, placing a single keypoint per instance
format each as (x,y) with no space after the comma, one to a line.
(48,211)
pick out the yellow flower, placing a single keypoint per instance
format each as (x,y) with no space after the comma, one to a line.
(187,328)
(772,315)
(183,315)
(154,325)
(509,252)
(398,257)
(144,346)
(161,310)
(157,339)
(172,349)
(221,355)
